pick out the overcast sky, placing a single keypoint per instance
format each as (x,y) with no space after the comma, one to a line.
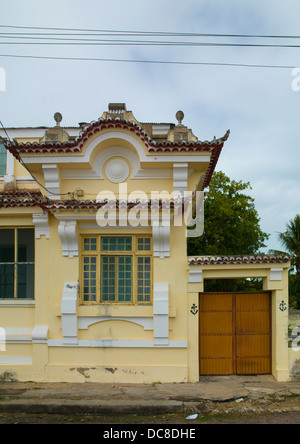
(258,105)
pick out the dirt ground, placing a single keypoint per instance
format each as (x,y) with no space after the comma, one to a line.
(170,419)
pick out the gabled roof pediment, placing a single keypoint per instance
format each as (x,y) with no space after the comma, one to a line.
(118,133)
(76,146)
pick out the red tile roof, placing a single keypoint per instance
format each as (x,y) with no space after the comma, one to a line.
(29,198)
(234,260)
(75,146)
(94,127)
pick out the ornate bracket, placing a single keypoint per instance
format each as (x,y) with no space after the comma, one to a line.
(67,231)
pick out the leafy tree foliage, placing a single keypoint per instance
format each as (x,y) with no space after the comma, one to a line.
(290,240)
(231,224)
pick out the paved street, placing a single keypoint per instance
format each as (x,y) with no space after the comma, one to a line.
(217,400)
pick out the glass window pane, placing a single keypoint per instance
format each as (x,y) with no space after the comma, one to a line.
(7,279)
(2,159)
(144,281)
(7,245)
(109,243)
(144,244)
(25,281)
(90,244)
(125,285)
(25,245)
(89,281)
(108,278)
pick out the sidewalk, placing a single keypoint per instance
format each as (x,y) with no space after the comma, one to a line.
(65,398)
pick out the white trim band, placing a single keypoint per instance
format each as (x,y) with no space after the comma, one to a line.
(107,343)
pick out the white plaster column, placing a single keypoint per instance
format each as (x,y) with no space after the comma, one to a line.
(193,336)
(161,314)
(9,178)
(40,356)
(277,283)
(69,313)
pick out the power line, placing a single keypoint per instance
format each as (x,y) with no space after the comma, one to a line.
(102,42)
(156,33)
(25,166)
(164,62)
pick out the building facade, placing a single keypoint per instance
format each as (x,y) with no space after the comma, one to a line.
(95,281)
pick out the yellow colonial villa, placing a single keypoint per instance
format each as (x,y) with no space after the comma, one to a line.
(95,281)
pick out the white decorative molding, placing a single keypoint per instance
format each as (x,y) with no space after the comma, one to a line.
(79,174)
(114,152)
(117,170)
(161,240)
(91,174)
(40,334)
(9,178)
(180,177)
(161,314)
(160,129)
(115,343)
(67,231)
(25,179)
(16,335)
(15,360)
(276,274)
(86,321)
(9,182)
(143,157)
(195,276)
(17,303)
(41,223)
(51,177)
(69,313)
(154,173)
(2,340)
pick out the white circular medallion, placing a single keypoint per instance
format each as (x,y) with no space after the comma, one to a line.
(117,170)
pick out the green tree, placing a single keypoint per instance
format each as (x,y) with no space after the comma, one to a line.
(231,227)
(290,240)
(231,224)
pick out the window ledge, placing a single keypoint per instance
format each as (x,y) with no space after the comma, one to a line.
(17,302)
(115,310)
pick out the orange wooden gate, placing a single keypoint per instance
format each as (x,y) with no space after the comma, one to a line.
(235,333)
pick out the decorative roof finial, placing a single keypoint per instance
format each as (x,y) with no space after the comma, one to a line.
(180,117)
(58,118)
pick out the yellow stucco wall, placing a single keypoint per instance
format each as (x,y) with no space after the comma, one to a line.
(115,343)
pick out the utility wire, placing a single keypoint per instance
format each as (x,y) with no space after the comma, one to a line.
(99,42)
(152,33)
(163,62)
(25,166)
(5,131)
